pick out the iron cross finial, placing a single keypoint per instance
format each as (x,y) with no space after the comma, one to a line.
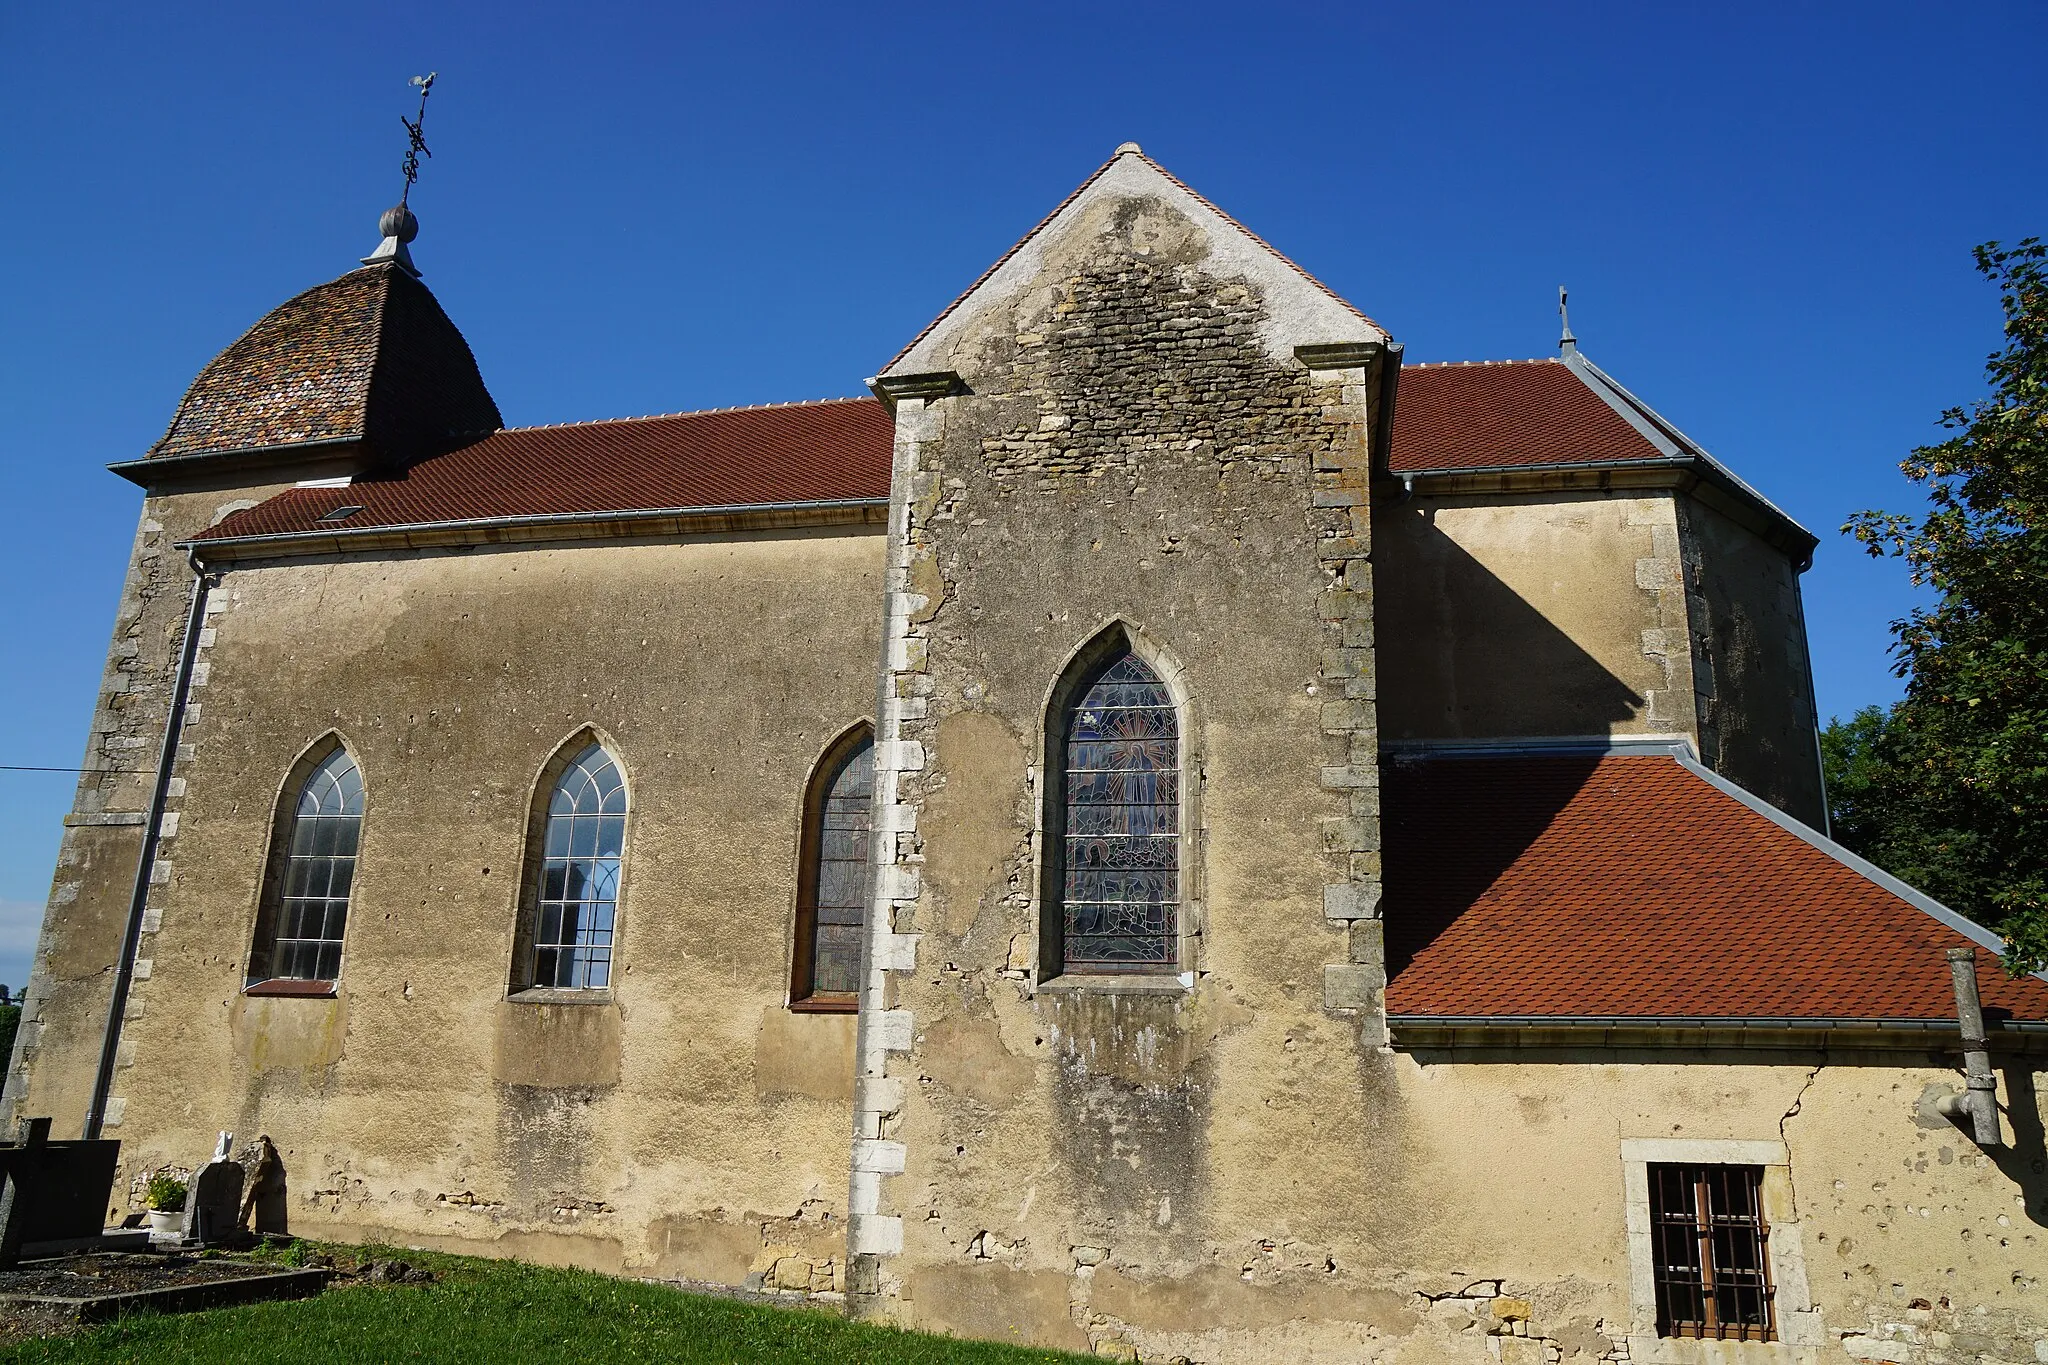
(415,139)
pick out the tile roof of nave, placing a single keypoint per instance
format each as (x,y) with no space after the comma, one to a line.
(1448,417)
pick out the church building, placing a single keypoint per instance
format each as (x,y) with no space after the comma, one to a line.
(1163,832)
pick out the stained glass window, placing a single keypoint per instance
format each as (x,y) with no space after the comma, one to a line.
(579,874)
(1119,841)
(319,871)
(838,876)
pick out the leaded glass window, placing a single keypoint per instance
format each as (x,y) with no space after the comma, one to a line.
(1119,837)
(579,874)
(837,876)
(319,872)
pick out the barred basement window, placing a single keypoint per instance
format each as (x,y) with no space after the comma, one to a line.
(1114,821)
(834,876)
(1712,1250)
(577,890)
(312,875)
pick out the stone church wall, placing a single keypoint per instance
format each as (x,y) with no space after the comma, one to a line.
(65,1013)
(1751,674)
(1133,451)
(1489,1206)
(689,1124)
(1511,615)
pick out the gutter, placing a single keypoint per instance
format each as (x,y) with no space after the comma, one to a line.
(544,526)
(145,863)
(1776,527)
(1670,1022)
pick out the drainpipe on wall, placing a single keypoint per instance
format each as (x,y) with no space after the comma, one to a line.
(145,864)
(1979,1101)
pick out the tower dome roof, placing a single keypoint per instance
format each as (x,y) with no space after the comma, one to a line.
(367,357)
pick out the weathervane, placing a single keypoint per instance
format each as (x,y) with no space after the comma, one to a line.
(416,140)
(397,223)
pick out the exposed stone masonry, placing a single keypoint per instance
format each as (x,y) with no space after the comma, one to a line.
(103,832)
(1125,447)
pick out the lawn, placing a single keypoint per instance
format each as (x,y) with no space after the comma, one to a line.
(481,1310)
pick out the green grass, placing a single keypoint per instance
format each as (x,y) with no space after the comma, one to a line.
(503,1310)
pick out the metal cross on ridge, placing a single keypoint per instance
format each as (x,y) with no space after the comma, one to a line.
(416,139)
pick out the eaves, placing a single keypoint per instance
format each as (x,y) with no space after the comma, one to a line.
(1693,475)
(559,528)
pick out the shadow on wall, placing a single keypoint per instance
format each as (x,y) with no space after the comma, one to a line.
(1464,656)
(2025,1163)
(266,1198)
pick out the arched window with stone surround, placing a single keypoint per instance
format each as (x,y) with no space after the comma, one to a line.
(310,877)
(1112,881)
(834,876)
(571,894)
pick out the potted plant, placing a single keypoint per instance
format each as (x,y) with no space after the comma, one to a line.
(165,1195)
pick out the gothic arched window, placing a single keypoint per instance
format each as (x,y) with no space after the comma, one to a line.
(575,888)
(313,870)
(1114,821)
(834,876)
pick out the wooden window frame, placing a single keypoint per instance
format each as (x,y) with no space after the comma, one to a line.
(1707,1220)
(804,997)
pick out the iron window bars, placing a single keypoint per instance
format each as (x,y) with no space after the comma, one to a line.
(319,872)
(1119,842)
(579,874)
(1712,1252)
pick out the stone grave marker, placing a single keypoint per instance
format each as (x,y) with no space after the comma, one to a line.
(213,1205)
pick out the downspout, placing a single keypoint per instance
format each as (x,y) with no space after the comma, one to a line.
(1979,1101)
(145,864)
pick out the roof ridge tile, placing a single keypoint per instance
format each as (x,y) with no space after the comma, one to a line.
(691,412)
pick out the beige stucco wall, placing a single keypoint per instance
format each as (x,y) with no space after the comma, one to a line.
(1523,614)
(1585,613)
(682,1127)
(1473,1181)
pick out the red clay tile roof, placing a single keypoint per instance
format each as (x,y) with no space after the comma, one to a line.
(1529,412)
(805,452)
(1629,886)
(369,356)
(1505,413)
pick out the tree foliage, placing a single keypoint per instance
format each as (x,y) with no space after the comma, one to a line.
(1949,790)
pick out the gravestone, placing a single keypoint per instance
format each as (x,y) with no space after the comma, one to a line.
(53,1195)
(213,1204)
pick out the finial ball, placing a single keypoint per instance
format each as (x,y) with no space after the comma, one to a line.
(398,222)
(1131,147)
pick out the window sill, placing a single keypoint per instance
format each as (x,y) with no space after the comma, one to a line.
(560,995)
(1121,983)
(281,987)
(826,1004)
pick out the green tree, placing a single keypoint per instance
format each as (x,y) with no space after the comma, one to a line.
(1949,791)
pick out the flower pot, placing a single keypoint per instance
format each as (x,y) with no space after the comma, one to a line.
(166,1225)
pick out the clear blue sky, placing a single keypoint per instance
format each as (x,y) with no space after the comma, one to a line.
(1764,213)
